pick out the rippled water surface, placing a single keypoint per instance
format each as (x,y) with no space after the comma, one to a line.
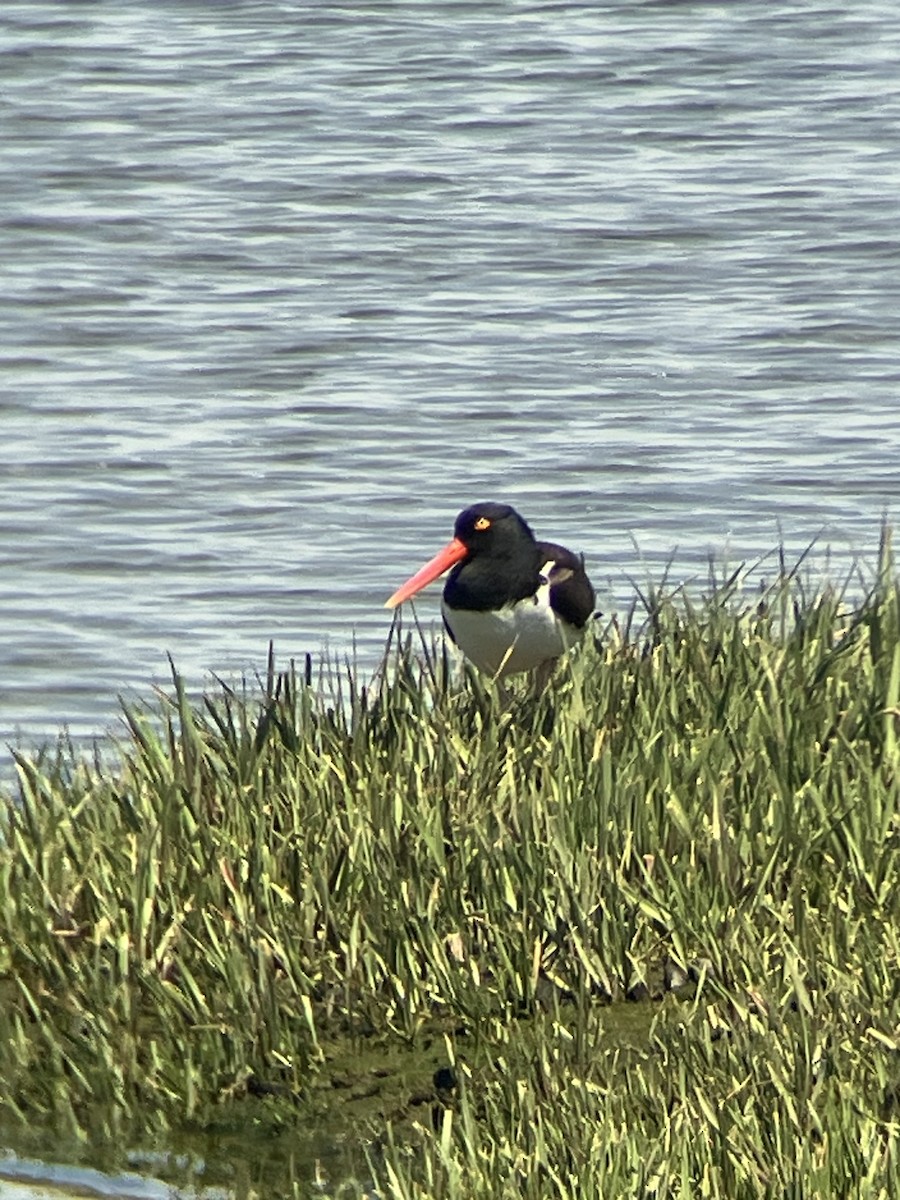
(287,285)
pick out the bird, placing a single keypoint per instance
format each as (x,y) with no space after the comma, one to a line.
(511,603)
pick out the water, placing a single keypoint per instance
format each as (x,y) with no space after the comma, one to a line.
(285,287)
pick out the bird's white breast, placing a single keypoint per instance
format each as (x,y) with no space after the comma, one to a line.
(517,637)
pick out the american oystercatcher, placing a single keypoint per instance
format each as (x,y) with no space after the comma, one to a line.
(510,603)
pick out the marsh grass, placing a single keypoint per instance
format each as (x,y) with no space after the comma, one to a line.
(708,790)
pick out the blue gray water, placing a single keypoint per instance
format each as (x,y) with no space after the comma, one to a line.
(285,286)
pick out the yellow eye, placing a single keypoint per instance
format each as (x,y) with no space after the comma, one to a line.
(482,523)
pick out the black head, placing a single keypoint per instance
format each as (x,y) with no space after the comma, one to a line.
(502,560)
(493,556)
(490,528)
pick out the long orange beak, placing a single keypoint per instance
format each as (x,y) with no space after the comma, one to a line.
(441,562)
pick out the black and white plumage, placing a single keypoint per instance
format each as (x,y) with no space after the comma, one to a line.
(511,603)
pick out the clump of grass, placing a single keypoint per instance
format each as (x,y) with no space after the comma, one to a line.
(708,791)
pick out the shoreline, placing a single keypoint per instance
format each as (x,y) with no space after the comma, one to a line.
(629,914)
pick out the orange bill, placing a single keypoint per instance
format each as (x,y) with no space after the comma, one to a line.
(436,566)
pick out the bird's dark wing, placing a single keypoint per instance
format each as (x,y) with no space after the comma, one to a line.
(571,594)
